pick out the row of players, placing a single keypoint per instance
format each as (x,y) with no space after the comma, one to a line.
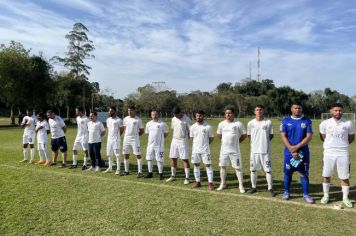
(295,131)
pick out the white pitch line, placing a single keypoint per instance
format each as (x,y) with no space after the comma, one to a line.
(270,199)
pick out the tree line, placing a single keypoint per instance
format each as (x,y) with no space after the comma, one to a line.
(29,80)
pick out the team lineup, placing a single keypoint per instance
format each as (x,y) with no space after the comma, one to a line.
(295,133)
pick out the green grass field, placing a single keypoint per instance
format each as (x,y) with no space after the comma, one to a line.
(38,200)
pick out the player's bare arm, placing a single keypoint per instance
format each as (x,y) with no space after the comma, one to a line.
(211,140)
(242,138)
(351,138)
(271,136)
(122,129)
(304,142)
(64,128)
(322,136)
(219,136)
(141,131)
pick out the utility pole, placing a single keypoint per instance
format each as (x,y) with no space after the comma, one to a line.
(258,65)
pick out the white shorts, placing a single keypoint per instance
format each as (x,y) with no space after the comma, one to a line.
(29,138)
(154,153)
(199,157)
(42,146)
(134,146)
(342,166)
(233,158)
(179,149)
(258,160)
(113,147)
(80,145)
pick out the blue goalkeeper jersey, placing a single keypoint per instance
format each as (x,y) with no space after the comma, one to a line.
(296,129)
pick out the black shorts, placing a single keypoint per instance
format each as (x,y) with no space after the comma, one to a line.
(59,143)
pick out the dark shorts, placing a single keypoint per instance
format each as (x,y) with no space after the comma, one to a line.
(59,143)
(303,168)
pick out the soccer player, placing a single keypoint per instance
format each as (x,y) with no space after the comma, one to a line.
(115,130)
(232,133)
(260,132)
(337,133)
(157,130)
(28,124)
(96,132)
(58,138)
(42,130)
(133,128)
(81,140)
(180,146)
(296,132)
(202,135)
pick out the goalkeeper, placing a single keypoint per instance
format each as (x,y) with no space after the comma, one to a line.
(296,133)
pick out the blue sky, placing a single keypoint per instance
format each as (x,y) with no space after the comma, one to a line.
(308,45)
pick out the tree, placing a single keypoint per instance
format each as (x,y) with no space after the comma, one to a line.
(79,49)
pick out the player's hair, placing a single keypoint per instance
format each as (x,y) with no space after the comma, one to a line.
(29,109)
(176,110)
(260,106)
(132,107)
(114,108)
(201,112)
(336,104)
(80,109)
(94,113)
(50,111)
(42,115)
(297,103)
(156,110)
(230,108)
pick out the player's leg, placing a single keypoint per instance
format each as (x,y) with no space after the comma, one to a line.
(41,153)
(196,159)
(75,156)
(160,164)
(328,169)
(98,157)
(54,148)
(109,154)
(63,147)
(92,156)
(223,163)
(287,178)
(254,163)
(209,170)
(150,153)
(126,151)
(265,160)
(173,155)
(32,152)
(118,161)
(236,163)
(86,158)
(137,152)
(184,155)
(303,170)
(24,150)
(343,170)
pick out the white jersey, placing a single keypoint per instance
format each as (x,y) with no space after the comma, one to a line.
(336,136)
(82,124)
(132,127)
(42,133)
(181,127)
(201,134)
(95,129)
(30,122)
(56,126)
(231,133)
(260,132)
(114,125)
(156,131)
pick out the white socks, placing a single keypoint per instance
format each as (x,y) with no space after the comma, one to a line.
(210,174)
(126,165)
(41,153)
(110,162)
(254,178)
(173,171)
(25,153)
(345,192)
(118,163)
(269,179)
(75,159)
(160,167)
(326,188)
(223,175)
(186,170)
(32,154)
(139,165)
(196,173)
(150,166)
(85,161)
(240,177)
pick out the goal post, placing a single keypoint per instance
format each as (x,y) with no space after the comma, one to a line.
(349,116)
